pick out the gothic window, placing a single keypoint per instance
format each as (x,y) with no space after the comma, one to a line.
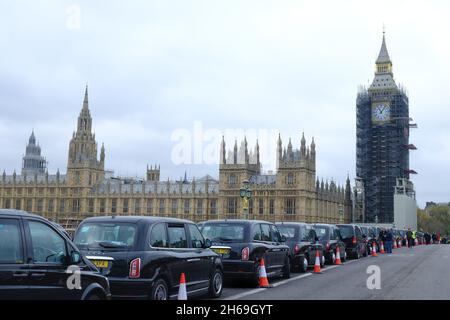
(50,205)
(149,206)
(7,203)
(290,206)
(18,204)
(261,206)
(77,177)
(62,205)
(250,206)
(91,206)
(213,208)
(232,179)
(232,205)
(290,179)
(113,205)
(199,206)
(174,206)
(125,205)
(102,205)
(29,206)
(162,207)
(272,206)
(187,206)
(40,205)
(76,205)
(137,206)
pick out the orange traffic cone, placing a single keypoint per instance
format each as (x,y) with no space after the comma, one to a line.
(338,256)
(317,264)
(382,248)
(395,244)
(182,295)
(399,244)
(374,251)
(263,282)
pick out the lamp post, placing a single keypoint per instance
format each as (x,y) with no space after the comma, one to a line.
(245,194)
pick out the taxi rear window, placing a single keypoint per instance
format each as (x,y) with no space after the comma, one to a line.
(106,235)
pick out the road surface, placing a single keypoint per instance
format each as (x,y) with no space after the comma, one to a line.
(422,272)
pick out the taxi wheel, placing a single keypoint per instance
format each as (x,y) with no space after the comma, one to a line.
(159,290)
(216,284)
(344,256)
(255,280)
(304,265)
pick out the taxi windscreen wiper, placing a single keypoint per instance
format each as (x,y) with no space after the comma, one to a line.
(111,244)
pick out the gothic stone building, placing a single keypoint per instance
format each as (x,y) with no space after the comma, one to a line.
(291,194)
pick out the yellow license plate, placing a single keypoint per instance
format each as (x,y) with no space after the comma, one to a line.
(222,251)
(100,263)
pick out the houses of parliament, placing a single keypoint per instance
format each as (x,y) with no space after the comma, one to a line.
(292,193)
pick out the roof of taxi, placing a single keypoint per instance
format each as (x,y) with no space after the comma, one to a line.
(135,219)
(18,213)
(291,223)
(237,221)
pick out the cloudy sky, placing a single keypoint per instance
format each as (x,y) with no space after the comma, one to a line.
(169,74)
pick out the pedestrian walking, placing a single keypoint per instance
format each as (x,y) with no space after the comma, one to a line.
(434,237)
(414,236)
(389,238)
(409,237)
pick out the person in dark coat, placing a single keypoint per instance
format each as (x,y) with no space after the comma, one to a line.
(409,238)
(389,238)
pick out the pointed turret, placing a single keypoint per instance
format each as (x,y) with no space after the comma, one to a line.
(257,151)
(290,153)
(222,151)
(303,145)
(86,100)
(383,56)
(246,157)
(279,151)
(384,77)
(235,152)
(102,154)
(32,139)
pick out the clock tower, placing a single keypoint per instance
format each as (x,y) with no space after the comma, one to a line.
(382,146)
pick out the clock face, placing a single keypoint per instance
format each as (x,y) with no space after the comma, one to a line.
(381,112)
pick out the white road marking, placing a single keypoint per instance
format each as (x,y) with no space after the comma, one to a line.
(244,294)
(248,293)
(291,279)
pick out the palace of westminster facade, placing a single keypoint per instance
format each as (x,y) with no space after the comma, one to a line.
(291,194)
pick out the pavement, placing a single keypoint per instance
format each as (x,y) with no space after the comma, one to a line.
(422,272)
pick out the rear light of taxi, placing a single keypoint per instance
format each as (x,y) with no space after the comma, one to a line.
(328,246)
(354,240)
(245,254)
(135,268)
(296,249)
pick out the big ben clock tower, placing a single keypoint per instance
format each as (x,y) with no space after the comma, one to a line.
(382,146)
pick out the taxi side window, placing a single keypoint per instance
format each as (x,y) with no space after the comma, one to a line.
(177,236)
(276,236)
(256,233)
(158,236)
(197,240)
(265,232)
(48,245)
(11,250)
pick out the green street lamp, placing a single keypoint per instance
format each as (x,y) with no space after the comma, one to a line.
(246,195)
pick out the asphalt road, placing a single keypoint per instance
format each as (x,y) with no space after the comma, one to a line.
(422,272)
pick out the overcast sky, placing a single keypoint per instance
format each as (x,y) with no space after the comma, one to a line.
(161,71)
